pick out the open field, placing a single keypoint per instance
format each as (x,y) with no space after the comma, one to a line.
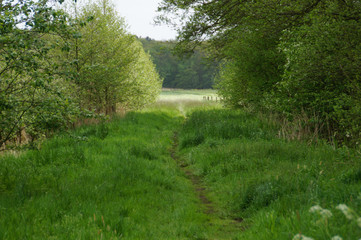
(184,101)
(200,172)
(185,95)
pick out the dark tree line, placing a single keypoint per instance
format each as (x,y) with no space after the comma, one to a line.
(191,71)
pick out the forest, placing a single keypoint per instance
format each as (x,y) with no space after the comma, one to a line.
(299,59)
(63,63)
(185,71)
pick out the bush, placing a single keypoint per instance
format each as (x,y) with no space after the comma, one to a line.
(322,76)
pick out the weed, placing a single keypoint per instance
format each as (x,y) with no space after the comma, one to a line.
(267,181)
(117,180)
(103,187)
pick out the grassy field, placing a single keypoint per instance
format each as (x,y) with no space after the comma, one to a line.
(185,101)
(169,95)
(180,170)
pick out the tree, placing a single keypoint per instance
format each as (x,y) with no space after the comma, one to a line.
(322,75)
(244,34)
(31,95)
(192,71)
(251,70)
(143,83)
(291,56)
(104,56)
(53,66)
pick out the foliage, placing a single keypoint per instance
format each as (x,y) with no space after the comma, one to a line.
(55,69)
(143,84)
(111,65)
(33,92)
(186,72)
(251,71)
(296,58)
(322,75)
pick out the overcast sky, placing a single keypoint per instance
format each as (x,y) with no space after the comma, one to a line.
(139,15)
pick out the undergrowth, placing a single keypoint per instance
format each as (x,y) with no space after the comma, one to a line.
(269,182)
(117,180)
(110,181)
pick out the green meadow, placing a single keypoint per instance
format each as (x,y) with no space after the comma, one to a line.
(180,169)
(179,95)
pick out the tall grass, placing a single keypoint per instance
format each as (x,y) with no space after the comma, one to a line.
(117,180)
(269,182)
(110,181)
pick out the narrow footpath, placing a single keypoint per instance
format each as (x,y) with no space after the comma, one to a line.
(195,180)
(222,228)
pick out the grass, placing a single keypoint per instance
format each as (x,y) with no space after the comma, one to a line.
(111,181)
(201,92)
(117,180)
(269,182)
(180,95)
(185,101)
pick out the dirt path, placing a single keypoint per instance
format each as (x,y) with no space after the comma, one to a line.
(196,181)
(224,228)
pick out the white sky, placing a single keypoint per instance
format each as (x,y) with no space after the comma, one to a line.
(139,15)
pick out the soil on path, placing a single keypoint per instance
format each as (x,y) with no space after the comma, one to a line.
(196,181)
(225,226)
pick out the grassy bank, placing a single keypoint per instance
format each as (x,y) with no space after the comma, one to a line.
(270,183)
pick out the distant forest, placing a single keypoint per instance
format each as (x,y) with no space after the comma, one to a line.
(187,72)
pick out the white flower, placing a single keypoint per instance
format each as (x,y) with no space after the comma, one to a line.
(301,237)
(359,222)
(346,211)
(326,213)
(336,238)
(342,207)
(323,212)
(316,208)
(306,238)
(297,237)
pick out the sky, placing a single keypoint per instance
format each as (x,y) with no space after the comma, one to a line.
(139,15)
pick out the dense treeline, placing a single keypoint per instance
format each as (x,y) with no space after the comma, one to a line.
(299,58)
(192,71)
(57,66)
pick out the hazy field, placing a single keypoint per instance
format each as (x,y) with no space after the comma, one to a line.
(186,95)
(185,101)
